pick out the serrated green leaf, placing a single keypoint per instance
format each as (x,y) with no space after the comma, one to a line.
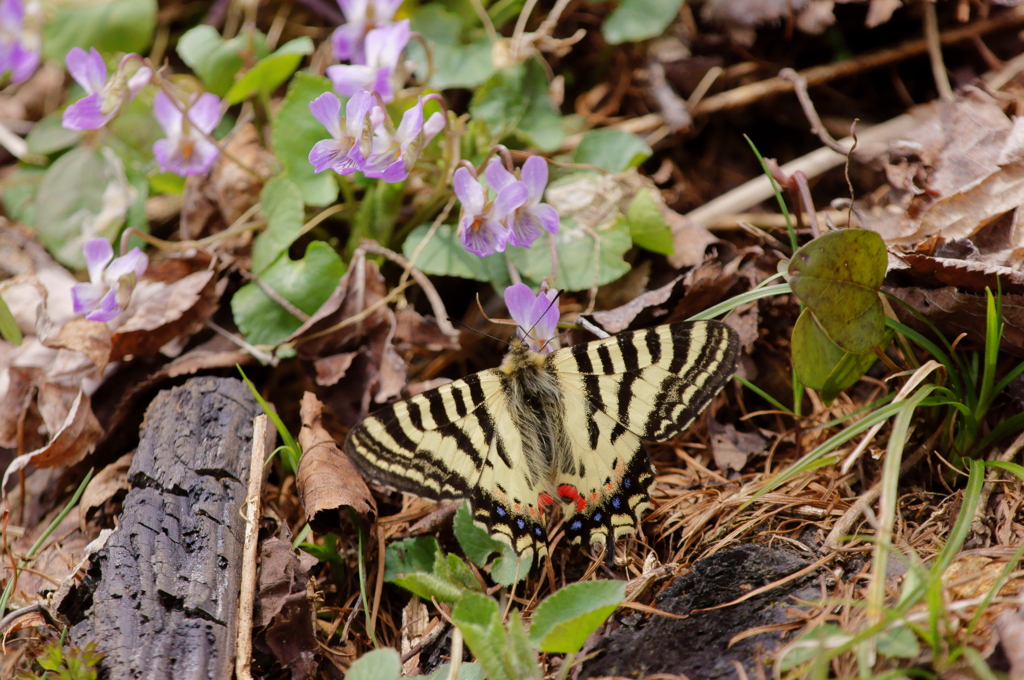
(108,25)
(409,556)
(479,620)
(270,72)
(295,131)
(647,224)
(564,621)
(379,664)
(611,150)
(636,20)
(837,276)
(305,283)
(216,60)
(510,568)
(281,204)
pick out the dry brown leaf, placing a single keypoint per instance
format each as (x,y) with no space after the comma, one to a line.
(330,370)
(326,479)
(284,608)
(91,338)
(164,312)
(75,439)
(954,313)
(619,319)
(412,329)
(974,277)
(109,483)
(731,448)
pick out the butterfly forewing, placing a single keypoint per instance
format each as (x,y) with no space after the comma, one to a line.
(566,425)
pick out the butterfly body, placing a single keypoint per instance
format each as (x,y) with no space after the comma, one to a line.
(566,425)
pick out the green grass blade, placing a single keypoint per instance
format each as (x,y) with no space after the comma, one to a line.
(761,393)
(741,299)
(291,456)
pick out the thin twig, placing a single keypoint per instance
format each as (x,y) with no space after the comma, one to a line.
(247,596)
(436,303)
(800,87)
(931,36)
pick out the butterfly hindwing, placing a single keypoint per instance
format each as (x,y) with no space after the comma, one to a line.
(647,384)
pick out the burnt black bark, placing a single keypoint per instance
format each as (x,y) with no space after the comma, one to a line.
(161,598)
(698,646)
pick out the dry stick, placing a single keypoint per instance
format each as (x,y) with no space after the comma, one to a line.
(844,525)
(748,94)
(931,36)
(993,476)
(247,597)
(436,303)
(817,128)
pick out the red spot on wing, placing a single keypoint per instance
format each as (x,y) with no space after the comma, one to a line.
(544,499)
(569,492)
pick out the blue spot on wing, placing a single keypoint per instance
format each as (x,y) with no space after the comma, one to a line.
(616,502)
(521,523)
(627,482)
(597,517)
(500,510)
(537,531)
(576,525)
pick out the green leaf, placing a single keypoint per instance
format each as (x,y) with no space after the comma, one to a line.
(8,325)
(80,186)
(108,25)
(564,621)
(456,63)
(837,276)
(636,20)
(816,641)
(295,131)
(647,224)
(50,136)
(19,194)
(270,72)
(479,619)
(281,203)
(522,657)
(444,255)
(815,356)
(514,102)
(898,643)
(474,540)
(216,60)
(411,555)
(510,568)
(467,671)
(585,258)
(305,283)
(378,212)
(380,664)
(612,150)
(430,586)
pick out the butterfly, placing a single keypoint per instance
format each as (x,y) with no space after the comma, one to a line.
(568,425)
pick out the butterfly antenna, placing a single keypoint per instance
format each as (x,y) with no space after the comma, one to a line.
(477,330)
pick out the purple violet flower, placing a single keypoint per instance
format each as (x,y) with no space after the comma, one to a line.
(380,73)
(535,315)
(481,224)
(104,99)
(20,41)
(110,282)
(395,152)
(187,150)
(528,219)
(350,141)
(361,17)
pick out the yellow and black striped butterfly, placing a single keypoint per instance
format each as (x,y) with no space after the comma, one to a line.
(567,425)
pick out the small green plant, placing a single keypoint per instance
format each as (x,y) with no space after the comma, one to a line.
(65,663)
